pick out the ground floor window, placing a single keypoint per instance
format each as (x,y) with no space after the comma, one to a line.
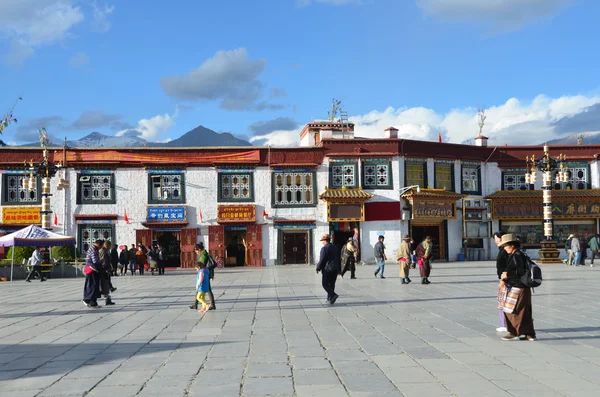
(531,233)
(90,233)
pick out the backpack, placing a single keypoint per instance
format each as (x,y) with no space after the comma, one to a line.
(211,264)
(533,277)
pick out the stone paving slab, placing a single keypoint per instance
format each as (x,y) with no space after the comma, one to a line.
(274,335)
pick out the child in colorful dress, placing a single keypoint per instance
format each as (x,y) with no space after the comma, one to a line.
(202,280)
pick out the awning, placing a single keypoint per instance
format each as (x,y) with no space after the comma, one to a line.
(89,217)
(345,195)
(432,203)
(165,225)
(437,195)
(536,195)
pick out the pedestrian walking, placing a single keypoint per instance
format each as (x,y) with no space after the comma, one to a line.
(93,270)
(141,257)
(161,258)
(35,261)
(501,261)
(349,258)
(106,286)
(203,258)
(423,252)
(575,249)
(114,260)
(518,306)
(380,257)
(132,259)
(202,282)
(404,259)
(123,260)
(594,245)
(569,259)
(330,266)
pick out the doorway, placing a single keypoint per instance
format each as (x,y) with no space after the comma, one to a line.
(342,231)
(434,230)
(235,251)
(171,241)
(295,248)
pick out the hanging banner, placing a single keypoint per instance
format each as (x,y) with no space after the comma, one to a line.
(158,157)
(236,213)
(21,215)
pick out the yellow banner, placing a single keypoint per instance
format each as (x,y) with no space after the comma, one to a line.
(21,215)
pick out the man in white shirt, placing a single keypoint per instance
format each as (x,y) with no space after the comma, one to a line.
(36,265)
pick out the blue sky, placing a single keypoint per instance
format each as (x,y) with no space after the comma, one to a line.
(262,69)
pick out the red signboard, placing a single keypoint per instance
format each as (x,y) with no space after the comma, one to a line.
(236,213)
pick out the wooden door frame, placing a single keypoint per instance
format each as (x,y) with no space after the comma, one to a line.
(295,231)
(442,234)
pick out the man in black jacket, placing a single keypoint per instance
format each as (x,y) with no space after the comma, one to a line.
(114,260)
(161,258)
(330,266)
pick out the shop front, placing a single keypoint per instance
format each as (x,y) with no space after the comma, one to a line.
(431,211)
(573,211)
(16,218)
(345,212)
(296,237)
(238,238)
(166,225)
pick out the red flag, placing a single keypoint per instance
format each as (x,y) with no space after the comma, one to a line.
(125,217)
(200,214)
(439,137)
(55,220)
(265,214)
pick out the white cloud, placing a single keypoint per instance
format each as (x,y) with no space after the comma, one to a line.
(499,15)
(79,60)
(154,128)
(33,23)
(100,23)
(514,122)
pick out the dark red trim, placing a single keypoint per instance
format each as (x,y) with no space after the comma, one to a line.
(104,217)
(165,225)
(382,211)
(293,221)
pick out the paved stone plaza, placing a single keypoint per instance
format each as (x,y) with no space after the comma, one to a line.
(273,334)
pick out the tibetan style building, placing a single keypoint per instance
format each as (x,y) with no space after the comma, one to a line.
(260,206)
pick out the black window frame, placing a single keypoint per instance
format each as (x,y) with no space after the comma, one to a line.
(5,201)
(388,163)
(517,173)
(170,201)
(82,226)
(452,177)
(220,197)
(112,200)
(341,163)
(274,190)
(471,166)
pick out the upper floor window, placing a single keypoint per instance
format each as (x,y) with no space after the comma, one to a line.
(294,188)
(377,174)
(416,173)
(95,189)
(14,193)
(578,177)
(165,188)
(236,186)
(514,179)
(471,178)
(444,175)
(343,175)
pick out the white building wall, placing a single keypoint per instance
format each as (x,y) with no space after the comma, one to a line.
(595,174)
(430,174)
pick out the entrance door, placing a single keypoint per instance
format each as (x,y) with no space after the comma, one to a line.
(144,236)
(295,248)
(254,242)
(216,241)
(189,237)
(419,232)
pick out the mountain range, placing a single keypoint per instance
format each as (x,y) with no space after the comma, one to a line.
(199,136)
(589,138)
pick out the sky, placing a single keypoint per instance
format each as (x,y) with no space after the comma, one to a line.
(262,69)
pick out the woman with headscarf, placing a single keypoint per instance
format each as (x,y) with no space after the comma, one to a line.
(404,258)
(517,307)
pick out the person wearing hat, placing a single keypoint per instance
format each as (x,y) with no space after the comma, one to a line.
(91,288)
(404,259)
(348,258)
(517,308)
(330,266)
(380,258)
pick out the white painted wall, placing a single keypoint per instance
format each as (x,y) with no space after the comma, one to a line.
(393,232)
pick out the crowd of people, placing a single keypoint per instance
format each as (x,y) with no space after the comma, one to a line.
(576,249)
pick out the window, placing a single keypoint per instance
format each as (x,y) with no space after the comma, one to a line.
(95,189)
(514,180)
(294,189)
(342,175)
(377,175)
(444,176)
(166,188)
(578,177)
(416,173)
(471,178)
(15,194)
(236,186)
(90,233)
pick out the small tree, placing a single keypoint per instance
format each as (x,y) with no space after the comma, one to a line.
(20,253)
(65,252)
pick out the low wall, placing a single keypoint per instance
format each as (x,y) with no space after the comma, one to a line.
(66,270)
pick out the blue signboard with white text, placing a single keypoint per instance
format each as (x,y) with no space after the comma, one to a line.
(159,213)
